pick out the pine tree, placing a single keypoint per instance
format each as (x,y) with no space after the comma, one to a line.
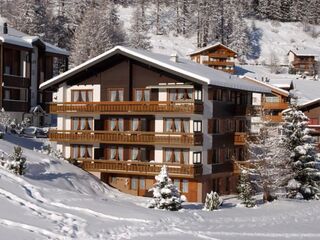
(245,189)
(16,163)
(305,162)
(165,193)
(212,202)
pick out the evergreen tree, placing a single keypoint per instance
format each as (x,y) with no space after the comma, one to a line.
(305,162)
(16,163)
(245,189)
(212,202)
(165,193)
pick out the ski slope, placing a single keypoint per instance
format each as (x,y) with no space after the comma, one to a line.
(56,200)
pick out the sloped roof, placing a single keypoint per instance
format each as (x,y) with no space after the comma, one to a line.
(200,50)
(310,103)
(306,90)
(18,38)
(183,67)
(304,52)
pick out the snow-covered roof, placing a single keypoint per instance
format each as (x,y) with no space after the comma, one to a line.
(18,38)
(183,67)
(272,87)
(209,47)
(310,103)
(304,52)
(306,90)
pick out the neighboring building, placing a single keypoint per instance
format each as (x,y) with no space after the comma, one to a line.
(127,112)
(303,61)
(272,103)
(217,56)
(312,110)
(26,62)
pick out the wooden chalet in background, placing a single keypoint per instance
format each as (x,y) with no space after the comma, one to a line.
(302,61)
(217,56)
(26,62)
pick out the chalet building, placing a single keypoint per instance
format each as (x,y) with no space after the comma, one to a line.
(127,112)
(302,61)
(312,110)
(217,56)
(26,62)
(272,103)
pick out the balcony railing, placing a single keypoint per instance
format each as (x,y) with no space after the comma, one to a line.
(141,168)
(127,137)
(274,118)
(239,138)
(127,107)
(218,63)
(16,81)
(275,105)
(221,55)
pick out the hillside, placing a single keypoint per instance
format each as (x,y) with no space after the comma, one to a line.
(266,37)
(56,200)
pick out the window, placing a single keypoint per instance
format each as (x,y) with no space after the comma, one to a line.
(16,94)
(138,154)
(82,123)
(198,95)
(138,124)
(216,126)
(115,94)
(142,95)
(133,184)
(197,126)
(180,94)
(176,125)
(115,153)
(82,95)
(215,156)
(197,157)
(142,183)
(116,124)
(176,182)
(217,94)
(81,151)
(176,155)
(185,186)
(227,184)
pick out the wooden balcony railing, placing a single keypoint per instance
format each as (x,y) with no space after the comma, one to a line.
(16,81)
(127,107)
(218,63)
(141,168)
(274,118)
(240,138)
(221,55)
(275,105)
(127,137)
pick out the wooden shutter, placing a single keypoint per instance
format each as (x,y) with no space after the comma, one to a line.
(209,160)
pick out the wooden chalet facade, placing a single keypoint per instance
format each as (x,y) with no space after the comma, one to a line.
(126,113)
(25,63)
(302,61)
(217,56)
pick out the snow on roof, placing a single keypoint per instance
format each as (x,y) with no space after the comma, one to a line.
(306,90)
(305,52)
(209,47)
(272,87)
(183,67)
(310,103)
(18,38)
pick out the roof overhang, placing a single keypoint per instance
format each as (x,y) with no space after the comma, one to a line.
(210,47)
(310,105)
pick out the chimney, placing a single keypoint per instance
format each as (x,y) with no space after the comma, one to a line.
(5,28)
(174,57)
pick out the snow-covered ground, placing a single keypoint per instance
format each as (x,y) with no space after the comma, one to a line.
(56,200)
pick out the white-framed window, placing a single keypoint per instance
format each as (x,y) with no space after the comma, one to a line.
(134,185)
(185,186)
(198,95)
(197,157)
(197,126)
(142,183)
(176,182)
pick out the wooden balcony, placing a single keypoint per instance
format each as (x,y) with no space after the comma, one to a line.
(16,81)
(274,118)
(240,138)
(275,105)
(221,55)
(127,137)
(218,63)
(141,168)
(127,107)
(223,167)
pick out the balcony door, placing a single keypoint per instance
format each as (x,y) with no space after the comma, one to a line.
(115,94)
(138,124)
(82,95)
(141,95)
(179,125)
(82,123)
(176,155)
(114,153)
(180,94)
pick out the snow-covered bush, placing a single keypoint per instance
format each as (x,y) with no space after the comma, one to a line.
(165,193)
(212,202)
(15,162)
(245,189)
(305,162)
(50,151)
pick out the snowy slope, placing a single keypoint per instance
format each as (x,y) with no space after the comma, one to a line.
(56,200)
(271,36)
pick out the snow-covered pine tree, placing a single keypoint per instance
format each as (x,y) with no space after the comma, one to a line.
(138,37)
(165,193)
(268,161)
(16,163)
(304,161)
(245,189)
(212,202)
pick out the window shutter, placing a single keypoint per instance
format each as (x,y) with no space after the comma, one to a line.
(210,126)
(209,158)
